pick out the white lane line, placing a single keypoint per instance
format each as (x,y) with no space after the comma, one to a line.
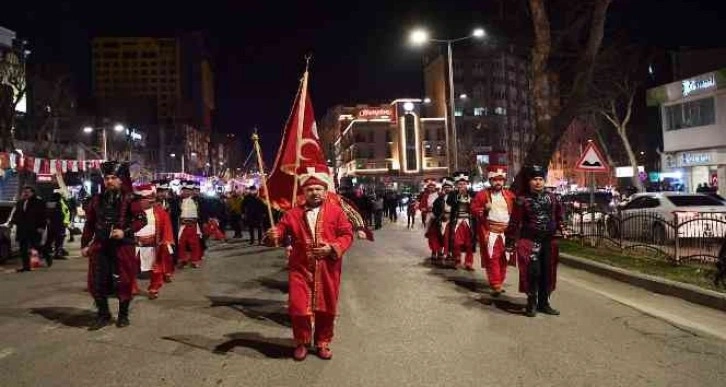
(678,321)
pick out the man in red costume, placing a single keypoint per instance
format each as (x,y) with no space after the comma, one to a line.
(155,240)
(440,225)
(493,208)
(426,204)
(461,224)
(191,218)
(108,240)
(320,233)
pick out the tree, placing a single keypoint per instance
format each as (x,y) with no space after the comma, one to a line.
(569,59)
(53,103)
(13,87)
(619,77)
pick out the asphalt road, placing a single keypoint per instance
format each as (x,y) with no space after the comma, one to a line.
(402,323)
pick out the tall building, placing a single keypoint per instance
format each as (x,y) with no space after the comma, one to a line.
(494,117)
(391,146)
(165,86)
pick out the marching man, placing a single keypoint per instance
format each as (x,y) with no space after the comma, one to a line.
(442,216)
(191,219)
(461,237)
(112,219)
(154,241)
(537,216)
(428,198)
(320,234)
(493,208)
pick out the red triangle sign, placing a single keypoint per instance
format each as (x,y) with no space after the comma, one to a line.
(592,160)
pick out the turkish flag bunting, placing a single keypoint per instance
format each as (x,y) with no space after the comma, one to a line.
(282,178)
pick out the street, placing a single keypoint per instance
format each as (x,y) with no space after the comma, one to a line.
(402,323)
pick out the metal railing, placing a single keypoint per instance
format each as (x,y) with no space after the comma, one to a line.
(678,237)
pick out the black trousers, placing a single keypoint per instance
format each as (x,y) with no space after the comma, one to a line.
(28,242)
(252,226)
(542,279)
(236,220)
(54,240)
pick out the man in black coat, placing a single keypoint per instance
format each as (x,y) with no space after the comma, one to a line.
(255,210)
(30,219)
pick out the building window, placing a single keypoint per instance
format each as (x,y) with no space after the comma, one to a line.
(458,112)
(691,114)
(480,111)
(500,111)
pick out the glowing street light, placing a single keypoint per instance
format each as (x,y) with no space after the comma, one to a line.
(419,37)
(87,129)
(427,100)
(172,155)
(463,96)
(119,128)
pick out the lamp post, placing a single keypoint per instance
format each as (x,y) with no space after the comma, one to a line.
(420,37)
(104,136)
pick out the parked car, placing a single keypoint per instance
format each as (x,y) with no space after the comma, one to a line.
(654,216)
(7,233)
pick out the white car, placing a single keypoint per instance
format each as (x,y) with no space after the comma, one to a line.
(655,217)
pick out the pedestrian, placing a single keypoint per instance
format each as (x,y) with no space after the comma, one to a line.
(30,221)
(255,211)
(166,198)
(58,217)
(112,218)
(320,235)
(154,242)
(411,212)
(378,203)
(536,217)
(493,208)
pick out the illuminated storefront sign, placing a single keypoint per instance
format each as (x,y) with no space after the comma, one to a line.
(376,113)
(698,84)
(695,158)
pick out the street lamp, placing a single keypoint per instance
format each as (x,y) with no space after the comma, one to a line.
(419,37)
(118,128)
(104,139)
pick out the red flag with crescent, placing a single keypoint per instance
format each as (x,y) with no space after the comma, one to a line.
(282,180)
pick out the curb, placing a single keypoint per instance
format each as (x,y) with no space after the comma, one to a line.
(687,292)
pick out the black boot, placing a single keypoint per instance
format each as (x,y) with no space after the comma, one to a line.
(543,305)
(103,315)
(531,306)
(123,314)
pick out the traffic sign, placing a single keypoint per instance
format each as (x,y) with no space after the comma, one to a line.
(592,160)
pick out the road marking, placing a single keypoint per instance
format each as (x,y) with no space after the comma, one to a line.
(5,352)
(677,321)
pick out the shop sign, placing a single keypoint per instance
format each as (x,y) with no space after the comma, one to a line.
(695,158)
(698,84)
(376,113)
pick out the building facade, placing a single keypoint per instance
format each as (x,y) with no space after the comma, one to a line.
(693,120)
(395,145)
(163,85)
(493,108)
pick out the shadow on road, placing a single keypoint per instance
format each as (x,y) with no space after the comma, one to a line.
(271,347)
(256,308)
(503,304)
(68,316)
(274,284)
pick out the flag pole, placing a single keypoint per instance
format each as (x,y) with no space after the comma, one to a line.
(300,123)
(256,142)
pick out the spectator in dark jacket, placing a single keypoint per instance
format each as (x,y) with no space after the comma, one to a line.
(255,211)
(30,220)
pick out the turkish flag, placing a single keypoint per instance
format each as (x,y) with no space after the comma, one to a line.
(281,181)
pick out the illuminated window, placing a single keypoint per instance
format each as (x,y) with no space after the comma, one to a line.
(480,111)
(459,112)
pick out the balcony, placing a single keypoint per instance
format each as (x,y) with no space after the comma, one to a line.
(364,165)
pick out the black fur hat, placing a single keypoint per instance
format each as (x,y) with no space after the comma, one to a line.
(116,168)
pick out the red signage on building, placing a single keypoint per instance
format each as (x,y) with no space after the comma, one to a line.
(371,113)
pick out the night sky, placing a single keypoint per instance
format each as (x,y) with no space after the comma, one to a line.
(360,49)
